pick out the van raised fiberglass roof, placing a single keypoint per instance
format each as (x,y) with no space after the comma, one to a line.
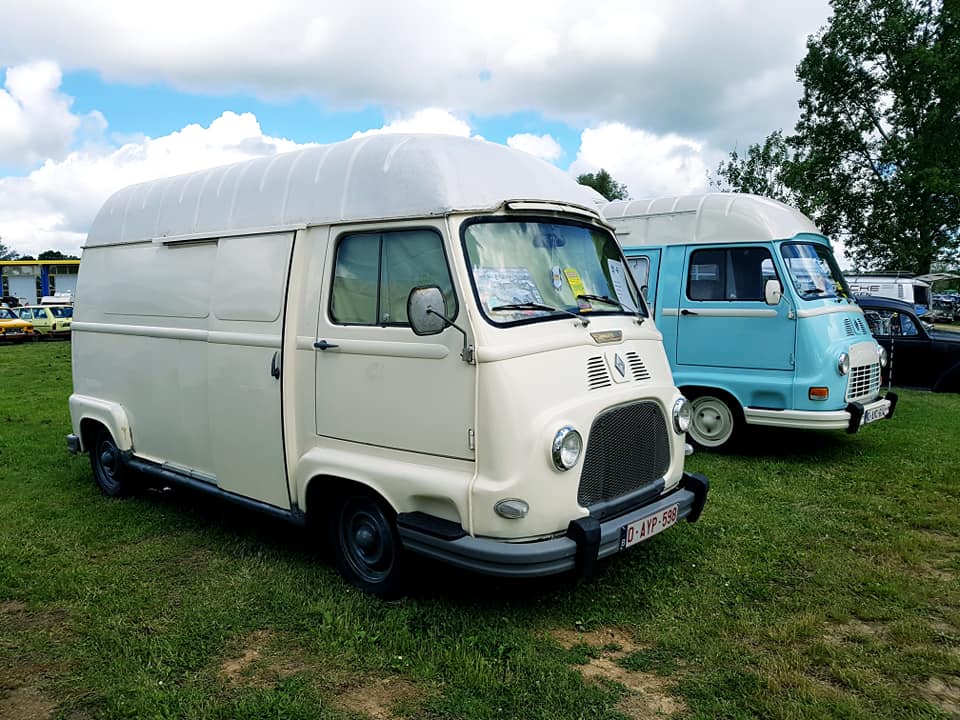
(368,178)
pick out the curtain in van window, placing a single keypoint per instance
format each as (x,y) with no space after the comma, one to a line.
(375,273)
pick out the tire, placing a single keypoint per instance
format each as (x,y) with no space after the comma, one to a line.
(107,464)
(366,544)
(715,422)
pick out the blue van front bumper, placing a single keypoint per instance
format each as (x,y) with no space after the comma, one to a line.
(586,540)
(851,418)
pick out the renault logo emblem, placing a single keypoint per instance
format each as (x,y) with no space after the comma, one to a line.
(618,363)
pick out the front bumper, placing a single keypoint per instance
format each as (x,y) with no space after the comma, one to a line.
(587,539)
(851,418)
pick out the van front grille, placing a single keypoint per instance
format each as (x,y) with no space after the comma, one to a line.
(864,382)
(628,448)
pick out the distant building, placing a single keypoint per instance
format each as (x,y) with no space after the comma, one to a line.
(30,280)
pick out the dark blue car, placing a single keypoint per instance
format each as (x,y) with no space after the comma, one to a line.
(920,356)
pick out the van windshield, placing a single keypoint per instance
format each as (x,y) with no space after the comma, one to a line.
(814,271)
(526,271)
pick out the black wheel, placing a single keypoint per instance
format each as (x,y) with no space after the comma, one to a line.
(715,422)
(366,544)
(111,474)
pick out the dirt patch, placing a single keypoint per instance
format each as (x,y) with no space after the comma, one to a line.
(854,630)
(610,637)
(24,703)
(944,693)
(377,698)
(16,616)
(262,659)
(648,695)
(12,607)
(931,571)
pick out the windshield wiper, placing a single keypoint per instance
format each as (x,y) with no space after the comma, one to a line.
(538,306)
(814,291)
(609,301)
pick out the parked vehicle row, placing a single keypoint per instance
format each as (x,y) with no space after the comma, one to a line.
(35,322)
(436,345)
(13,329)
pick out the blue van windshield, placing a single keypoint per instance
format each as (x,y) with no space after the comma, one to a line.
(814,271)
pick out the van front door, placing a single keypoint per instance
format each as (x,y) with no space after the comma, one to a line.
(245,329)
(724,321)
(376,382)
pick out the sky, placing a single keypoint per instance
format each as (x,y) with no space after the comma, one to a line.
(98,95)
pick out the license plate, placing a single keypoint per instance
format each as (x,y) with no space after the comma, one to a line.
(647,527)
(874,414)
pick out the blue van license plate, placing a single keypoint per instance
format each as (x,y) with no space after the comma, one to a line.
(640,530)
(874,414)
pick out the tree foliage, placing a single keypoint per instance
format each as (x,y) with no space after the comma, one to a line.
(760,171)
(875,156)
(603,183)
(55,255)
(7,253)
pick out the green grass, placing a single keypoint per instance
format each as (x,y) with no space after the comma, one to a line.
(823,581)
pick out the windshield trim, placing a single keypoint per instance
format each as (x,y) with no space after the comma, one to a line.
(845,293)
(643,311)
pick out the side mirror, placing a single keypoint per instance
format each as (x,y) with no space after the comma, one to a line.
(426,310)
(772,292)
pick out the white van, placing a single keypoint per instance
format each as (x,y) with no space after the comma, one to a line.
(418,343)
(898,286)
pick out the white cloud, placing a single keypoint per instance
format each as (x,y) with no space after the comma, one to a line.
(52,207)
(649,165)
(428,120)
(543,146)
(35,118)
(667,67)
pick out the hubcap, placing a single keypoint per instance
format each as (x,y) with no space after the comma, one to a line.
(367,540)
(712,421)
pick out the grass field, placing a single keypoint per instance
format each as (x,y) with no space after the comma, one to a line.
(823,581)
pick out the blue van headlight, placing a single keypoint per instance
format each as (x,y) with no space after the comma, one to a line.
(843,364)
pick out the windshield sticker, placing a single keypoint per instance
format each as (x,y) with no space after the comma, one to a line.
(576,285)
(619,280)
(506,286)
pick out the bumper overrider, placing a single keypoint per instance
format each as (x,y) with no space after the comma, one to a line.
(860,414)
(586,540)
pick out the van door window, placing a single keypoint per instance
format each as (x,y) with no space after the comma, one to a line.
(730,274)
(375,272)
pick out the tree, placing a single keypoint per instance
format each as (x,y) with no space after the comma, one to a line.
(603,183)
(7,253)
(761,171)
(877,146)
(55,255)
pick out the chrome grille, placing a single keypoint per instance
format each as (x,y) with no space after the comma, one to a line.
(864,382)
(597,374)
(628,448)
(637,367)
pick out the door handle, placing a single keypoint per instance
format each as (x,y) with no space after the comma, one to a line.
(324,345)
(275,365)
(687,312)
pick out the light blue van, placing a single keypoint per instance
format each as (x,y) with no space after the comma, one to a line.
(758,323)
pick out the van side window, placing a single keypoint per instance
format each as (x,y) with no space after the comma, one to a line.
(375,272)
(730,274)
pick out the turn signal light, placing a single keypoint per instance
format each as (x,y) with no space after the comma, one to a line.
(819,393)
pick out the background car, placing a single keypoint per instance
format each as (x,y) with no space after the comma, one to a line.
(13,328)
(48,320)
(920,355)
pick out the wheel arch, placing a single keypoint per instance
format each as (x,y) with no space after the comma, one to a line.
(87,413)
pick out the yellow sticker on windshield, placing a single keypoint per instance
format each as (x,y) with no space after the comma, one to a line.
(576,285)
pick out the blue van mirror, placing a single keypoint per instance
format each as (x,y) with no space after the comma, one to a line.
(772,292)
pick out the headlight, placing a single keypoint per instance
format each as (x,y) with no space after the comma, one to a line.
(882,355)
(843,364)
(567,445)
(681,415)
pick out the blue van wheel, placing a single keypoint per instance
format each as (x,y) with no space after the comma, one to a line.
(714,421)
